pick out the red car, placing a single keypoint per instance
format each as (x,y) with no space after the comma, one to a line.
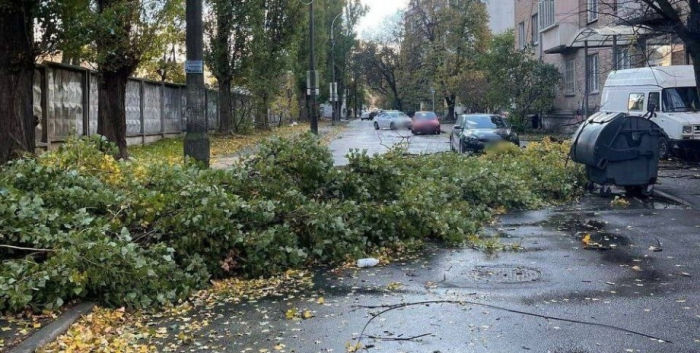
(425,123)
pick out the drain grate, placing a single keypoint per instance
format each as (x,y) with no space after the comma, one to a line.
(506,274)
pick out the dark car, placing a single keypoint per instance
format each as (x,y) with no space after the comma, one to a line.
(373,114)
(474,132)
(425,123)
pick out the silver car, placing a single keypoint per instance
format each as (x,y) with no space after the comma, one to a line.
(392,119)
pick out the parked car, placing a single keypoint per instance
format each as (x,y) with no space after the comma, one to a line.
(392,119)
(474,132)
(365,116)
(425,123)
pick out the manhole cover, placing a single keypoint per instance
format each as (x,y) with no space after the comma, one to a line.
(506,274)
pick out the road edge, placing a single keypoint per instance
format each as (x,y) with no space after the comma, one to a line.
(56,328)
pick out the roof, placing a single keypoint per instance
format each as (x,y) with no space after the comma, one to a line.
(661,76)
(603,37)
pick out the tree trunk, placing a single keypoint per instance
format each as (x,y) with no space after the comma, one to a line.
(265,113)
(111,111)
(692,46)
(226,124)
(450,100)
(16,80)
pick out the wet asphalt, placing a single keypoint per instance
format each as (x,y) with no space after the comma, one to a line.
(633,288)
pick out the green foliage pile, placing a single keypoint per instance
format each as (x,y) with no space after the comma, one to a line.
(75,223)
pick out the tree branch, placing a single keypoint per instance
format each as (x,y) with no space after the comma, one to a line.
(25,249)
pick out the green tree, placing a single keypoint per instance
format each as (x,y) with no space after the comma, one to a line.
(276,35)
(446,36)
(516,81)
(161,63)
(119,36)
(230,34)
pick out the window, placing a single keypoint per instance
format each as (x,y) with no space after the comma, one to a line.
(569,77)
(681,99)
(535,30)
(592,10)
(636,101)
(546,12)
(484,122)
(623,59)
(655,99)
(521,35)
(592,73)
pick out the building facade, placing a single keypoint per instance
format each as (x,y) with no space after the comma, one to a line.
(585,40)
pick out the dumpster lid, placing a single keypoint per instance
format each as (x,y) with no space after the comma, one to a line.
(603,117)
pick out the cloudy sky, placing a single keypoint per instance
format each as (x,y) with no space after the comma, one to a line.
(378,9)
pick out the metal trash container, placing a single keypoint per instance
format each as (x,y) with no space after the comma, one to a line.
(618,149)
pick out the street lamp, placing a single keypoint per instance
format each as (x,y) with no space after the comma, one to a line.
(432,90)
(334,85)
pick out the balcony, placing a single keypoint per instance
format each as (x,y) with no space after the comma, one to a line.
(555,39)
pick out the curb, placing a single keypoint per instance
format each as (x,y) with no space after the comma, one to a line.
(50,332)
(670,197)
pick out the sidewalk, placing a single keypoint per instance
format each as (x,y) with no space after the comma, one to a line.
(680,180)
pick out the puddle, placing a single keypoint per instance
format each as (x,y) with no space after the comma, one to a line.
(601,240)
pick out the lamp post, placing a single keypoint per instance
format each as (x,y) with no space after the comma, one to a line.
(432,90)
(334,84)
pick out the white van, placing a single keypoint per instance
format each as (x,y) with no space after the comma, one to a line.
(671,90)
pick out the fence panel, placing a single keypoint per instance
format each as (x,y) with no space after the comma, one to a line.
(94,103)
(65,102)
(36,88)
(213,110)
(133,108)
(183,109)
(171,110)
(152,111)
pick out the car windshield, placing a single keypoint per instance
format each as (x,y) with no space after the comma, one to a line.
(484,122)
(425,116)
(396,115)
(681,99)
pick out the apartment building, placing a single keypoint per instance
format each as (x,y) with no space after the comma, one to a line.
(585,40)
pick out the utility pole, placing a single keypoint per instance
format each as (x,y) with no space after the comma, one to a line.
(311,83)
(334,85)
(196,139)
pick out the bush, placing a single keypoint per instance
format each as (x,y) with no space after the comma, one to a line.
(75,223)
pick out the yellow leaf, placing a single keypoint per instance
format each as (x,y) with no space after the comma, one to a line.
(586,239)
(279,347)
(307,314)
(36,325)
(291,313)
(320,301)
(351,348)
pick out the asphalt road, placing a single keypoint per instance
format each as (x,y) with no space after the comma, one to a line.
(362,135)
(636,292)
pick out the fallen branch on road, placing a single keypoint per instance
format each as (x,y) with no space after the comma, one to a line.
(398,338)
(390,307)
